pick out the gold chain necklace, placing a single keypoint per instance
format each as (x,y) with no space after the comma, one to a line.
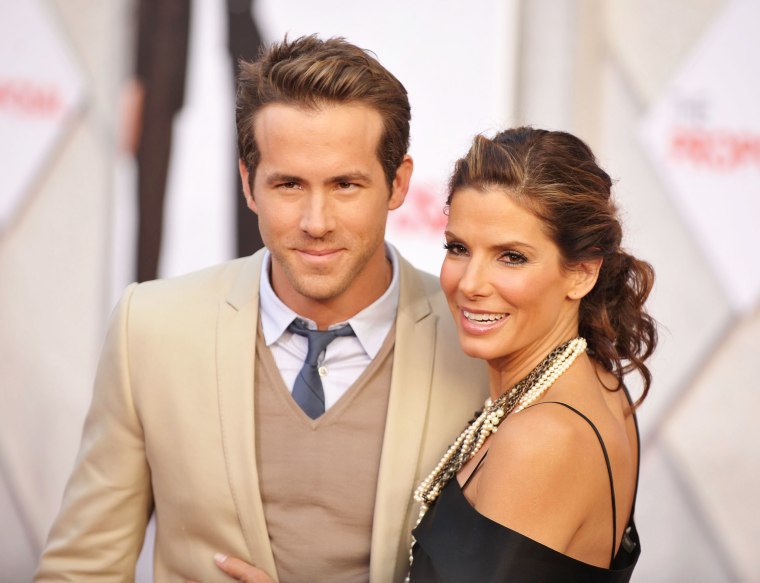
(469,442)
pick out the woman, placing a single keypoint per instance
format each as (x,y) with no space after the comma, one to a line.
(541,486)
(539,288)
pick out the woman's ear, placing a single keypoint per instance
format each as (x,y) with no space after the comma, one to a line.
(583,278)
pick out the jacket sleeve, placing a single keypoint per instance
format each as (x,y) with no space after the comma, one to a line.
(99,532)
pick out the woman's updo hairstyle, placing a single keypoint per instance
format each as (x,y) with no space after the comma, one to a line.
(555,175)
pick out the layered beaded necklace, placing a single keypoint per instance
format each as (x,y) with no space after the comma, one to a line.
(469,442)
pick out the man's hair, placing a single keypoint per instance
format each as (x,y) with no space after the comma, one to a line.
(310,73)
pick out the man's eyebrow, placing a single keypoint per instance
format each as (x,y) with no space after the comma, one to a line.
(351,177)
(281,177)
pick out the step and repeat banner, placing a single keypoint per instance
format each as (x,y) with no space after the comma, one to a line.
(703,136)
(41,87)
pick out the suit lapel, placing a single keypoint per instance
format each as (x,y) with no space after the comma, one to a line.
(407,411)
(235,357)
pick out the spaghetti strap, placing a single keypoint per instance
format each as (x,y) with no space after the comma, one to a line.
(477,467)
(638,450)
(606,461)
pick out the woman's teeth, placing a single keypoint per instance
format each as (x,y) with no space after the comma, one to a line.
(482,317)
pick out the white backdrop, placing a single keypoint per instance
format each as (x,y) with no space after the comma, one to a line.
(704,137)
(41,88)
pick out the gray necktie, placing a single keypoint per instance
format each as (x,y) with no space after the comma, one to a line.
(307,390)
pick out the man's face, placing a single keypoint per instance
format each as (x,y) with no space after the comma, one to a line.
(322,201)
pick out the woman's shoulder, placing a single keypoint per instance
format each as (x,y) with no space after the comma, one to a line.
(549,438)
(544,474)
(582,418)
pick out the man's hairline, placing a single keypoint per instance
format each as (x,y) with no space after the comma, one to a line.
(316,106)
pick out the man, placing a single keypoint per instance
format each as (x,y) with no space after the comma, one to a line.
(204,409)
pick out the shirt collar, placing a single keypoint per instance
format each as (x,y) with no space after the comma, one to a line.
(371,325)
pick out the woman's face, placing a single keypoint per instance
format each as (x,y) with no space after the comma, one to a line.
(503,280)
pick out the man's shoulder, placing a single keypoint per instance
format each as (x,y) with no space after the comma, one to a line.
(208,285)
(221,274)
(422,286)
(453,369)
(429,280)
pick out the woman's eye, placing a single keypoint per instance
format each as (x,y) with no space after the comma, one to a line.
(455,248)
(513,258)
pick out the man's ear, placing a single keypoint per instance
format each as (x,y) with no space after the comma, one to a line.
(244,178)
(400,185)
(583,278)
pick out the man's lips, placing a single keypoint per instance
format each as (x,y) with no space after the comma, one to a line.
(319,255)
(318,252)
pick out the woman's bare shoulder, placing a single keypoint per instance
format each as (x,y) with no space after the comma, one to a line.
(543,475)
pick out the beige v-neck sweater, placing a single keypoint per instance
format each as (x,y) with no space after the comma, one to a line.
(318,478)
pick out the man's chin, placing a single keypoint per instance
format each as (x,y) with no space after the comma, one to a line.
(319,287)
(319,295)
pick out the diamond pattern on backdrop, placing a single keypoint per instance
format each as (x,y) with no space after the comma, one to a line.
(40,88)
(704,138)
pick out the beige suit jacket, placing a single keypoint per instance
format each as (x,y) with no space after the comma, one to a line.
(171,430)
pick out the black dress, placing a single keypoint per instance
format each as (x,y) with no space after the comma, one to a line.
(457,544)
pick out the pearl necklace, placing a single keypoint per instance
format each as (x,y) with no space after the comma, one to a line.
(471,440)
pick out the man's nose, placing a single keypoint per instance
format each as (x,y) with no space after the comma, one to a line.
(316,215)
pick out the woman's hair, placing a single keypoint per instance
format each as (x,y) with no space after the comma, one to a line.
(555,175)
(309,72)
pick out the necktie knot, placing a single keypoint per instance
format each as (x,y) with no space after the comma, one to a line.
(318,339)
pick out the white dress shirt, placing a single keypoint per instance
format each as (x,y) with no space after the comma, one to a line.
(346,357)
